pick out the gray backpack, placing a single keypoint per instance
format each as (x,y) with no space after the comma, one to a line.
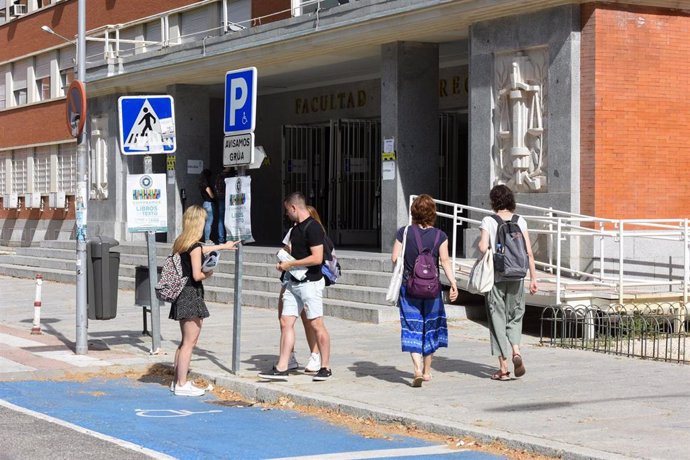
(510,254)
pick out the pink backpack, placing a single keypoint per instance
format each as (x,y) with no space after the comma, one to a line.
(423,282)
(171,283)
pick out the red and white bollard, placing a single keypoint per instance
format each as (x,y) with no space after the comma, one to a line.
(36,329)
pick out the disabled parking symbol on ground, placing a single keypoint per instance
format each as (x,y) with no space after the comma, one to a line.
(165,413)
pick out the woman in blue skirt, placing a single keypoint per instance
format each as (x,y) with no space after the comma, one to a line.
(423,321)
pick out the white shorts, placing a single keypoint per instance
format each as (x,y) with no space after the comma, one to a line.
(307,295)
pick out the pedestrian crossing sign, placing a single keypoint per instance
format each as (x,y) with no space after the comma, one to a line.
(147,125)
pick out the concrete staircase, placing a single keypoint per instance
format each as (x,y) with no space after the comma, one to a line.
(358,296)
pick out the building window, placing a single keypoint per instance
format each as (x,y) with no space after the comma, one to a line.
(20,173)
(20,96)
(66,77)
(42,170)
(67,169)
(66,64)
(19,76)
(42,73)
(3,87)
(44,88)
(4,156)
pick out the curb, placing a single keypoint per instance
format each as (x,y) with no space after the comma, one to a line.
(260,392)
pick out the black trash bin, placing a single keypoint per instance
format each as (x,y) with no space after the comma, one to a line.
(102,273)
(142,292)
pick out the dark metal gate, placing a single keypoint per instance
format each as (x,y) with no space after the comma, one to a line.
(356,177)
(453,165)
(337,167)
(306,152)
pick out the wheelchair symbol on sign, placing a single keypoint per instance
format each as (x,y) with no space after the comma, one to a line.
(171,412)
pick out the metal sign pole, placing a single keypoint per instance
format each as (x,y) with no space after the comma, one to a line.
(82,344)
(153,277)
(239,122)
(237,308)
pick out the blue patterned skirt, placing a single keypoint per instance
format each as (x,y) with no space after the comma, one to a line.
(423,324)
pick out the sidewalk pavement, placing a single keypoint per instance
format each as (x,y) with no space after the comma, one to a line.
(571,403)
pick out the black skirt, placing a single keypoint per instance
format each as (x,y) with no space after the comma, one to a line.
(189,305)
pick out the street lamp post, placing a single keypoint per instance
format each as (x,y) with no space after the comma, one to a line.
(82,345)
(81,199)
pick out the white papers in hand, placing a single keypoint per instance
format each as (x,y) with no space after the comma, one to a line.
(299,273)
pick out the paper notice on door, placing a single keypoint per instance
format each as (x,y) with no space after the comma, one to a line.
(388,170)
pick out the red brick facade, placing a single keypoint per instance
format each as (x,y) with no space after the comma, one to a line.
(45,122)
(24,35)
(264,9)
(635,112)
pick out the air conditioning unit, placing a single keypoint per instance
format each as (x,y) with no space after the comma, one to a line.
(57,200)
(32,200)
(10,201)
(17,10)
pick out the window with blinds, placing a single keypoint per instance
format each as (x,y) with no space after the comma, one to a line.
(132,33)
(4,156)
(152,32)
(67,169)
(19,87)
(197,23)
(42,72)
(66,64)
(3,87)
(42,170)
(20,173)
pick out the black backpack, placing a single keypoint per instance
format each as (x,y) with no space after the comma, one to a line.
(510,254)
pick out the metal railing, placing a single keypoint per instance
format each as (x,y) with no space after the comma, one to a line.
(651,331)
(620,272)
(109,34)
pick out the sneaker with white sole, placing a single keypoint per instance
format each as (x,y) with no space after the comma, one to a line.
(314,363)
(292,363)
(188,390)
(274,374)
(323,374)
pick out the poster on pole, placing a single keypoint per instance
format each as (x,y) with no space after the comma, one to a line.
(147,204)
(238,203)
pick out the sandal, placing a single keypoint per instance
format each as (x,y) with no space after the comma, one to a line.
(519,366)
(426,377)
(498,375)
(417,382)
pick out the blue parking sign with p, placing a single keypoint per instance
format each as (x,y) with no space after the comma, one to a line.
(240,101)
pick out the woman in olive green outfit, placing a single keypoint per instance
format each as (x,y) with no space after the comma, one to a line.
(506,300)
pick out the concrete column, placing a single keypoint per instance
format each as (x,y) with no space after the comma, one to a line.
(192,130)
(409,115)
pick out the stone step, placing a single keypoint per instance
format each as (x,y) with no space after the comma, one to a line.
(352,302)
(128,263)
(349,260)
(336,308)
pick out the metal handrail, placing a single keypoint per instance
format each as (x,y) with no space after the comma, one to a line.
(559,226)
(109,34)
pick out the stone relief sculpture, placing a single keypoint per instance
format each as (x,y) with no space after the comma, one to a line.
(518,154)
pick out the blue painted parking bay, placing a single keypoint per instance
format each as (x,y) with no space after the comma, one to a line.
(150,416)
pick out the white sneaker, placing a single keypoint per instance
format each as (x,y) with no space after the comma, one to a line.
(292,363)
(314,363)
(188,390)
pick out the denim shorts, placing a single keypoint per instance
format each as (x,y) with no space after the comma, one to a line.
(307,295)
